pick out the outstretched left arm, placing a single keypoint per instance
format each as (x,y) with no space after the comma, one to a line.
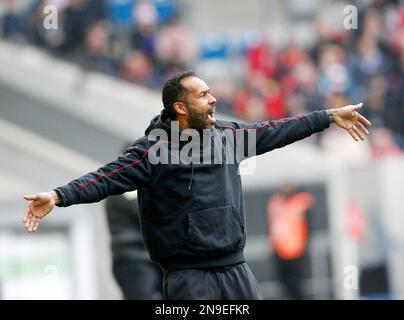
(273,134)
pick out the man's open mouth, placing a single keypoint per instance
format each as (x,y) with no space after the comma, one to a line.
(210,115)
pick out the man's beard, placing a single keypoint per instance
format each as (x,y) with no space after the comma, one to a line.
(197,121)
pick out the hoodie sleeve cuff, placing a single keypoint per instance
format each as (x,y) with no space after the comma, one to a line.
(60,194)
(330,116)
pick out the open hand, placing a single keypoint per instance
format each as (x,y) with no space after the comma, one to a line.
(349,119)
(39,206)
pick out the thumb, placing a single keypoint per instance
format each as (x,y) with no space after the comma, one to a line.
(31,197)
(357,106)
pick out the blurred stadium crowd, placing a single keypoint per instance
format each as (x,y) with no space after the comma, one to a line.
(145,41)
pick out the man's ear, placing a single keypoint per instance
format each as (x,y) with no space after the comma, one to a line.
(180,108)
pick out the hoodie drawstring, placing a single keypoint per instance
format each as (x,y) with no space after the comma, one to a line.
(192,176)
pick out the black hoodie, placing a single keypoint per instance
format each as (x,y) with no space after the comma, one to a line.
(191,214)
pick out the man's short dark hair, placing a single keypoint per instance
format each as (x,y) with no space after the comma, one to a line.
(174,91)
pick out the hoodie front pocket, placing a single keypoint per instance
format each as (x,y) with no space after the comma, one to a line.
(163,239)
(215,231)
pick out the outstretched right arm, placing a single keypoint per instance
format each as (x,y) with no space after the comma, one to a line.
(130,171)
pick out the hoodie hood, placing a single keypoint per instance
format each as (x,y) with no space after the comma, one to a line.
(161,121)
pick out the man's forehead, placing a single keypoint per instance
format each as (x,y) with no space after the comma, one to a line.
(194,84)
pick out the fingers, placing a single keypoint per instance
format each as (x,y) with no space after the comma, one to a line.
(362,128)
(363,120)
(351,132)
(36,224)
(31,222)
(31,197)
(26,214)
(358,133)
(27,220)
(358,130)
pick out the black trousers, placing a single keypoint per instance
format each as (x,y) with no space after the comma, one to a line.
(226,283)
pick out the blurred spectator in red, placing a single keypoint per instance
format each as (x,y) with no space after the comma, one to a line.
(290,59)
(249,105)
(292,56)
(274,102)
(261,59)
(261,99)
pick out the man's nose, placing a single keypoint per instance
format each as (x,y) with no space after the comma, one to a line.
(212,99)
